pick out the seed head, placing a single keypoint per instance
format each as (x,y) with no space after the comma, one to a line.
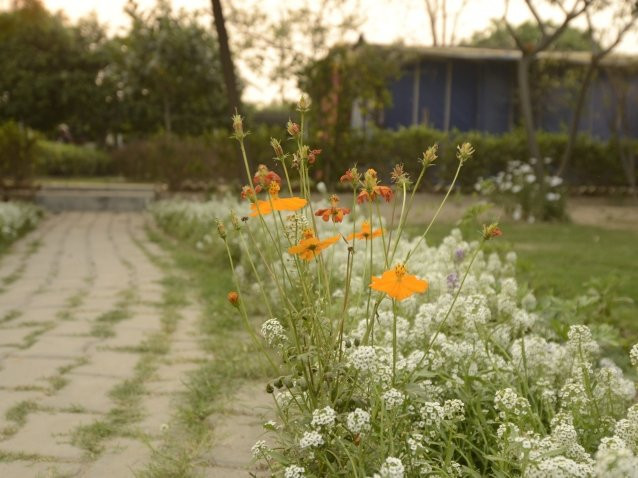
(276,146)
(464,152)
(221,229)
(303,104)
(430,155)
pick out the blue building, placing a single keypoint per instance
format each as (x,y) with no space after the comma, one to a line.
(476,89)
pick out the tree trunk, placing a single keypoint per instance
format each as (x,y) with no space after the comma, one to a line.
(575,120)
(228,69)
(167,117)
(526,111)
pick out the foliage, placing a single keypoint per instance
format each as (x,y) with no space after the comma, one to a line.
(18,151)
(16,218)
(279,43)
(497,36)
(165,73)
(595,162)
(517,189)
(176,160)
(49,69)
(61,159)
(346,77)
(468,379)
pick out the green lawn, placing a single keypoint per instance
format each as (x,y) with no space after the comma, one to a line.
(560,259)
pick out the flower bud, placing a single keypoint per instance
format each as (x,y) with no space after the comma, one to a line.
(238,126)
(293,129)
(221,229)
(234,219)
(312,155)
(276,146)
(233,298)
(304,103)
(491,231)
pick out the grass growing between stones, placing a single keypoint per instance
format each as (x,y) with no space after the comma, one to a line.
(129,395)
(189,436)
(15,274)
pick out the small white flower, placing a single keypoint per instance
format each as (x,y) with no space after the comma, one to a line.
(324,417)
(294,471)
(392,468)
(311,439)
(358,421)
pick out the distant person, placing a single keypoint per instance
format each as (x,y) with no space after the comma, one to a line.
(64,133)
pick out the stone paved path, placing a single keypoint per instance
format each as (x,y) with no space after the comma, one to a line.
(80,301)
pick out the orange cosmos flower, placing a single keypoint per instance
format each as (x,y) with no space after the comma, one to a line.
(278,204)
(366,232)
(309,247)
(334,212)
(398,284)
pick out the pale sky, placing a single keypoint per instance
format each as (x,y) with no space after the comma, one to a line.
(387,21)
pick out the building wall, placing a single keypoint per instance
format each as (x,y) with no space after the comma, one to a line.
(482,97)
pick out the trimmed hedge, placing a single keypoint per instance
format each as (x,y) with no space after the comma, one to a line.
(60,159)
(593,162)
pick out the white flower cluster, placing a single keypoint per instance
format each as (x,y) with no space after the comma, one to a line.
(392,468)
(358,421)
(273,332)
(16,218)
(486,358)
(294,471)
(311,439)
(518,183)
(324,417)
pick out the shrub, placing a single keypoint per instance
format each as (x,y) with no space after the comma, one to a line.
(175,160)
(521,194)
(16,218)
(18,151)
(60,159)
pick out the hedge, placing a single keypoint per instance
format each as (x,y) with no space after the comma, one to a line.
(60,159)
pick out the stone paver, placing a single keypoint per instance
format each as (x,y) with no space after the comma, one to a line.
(48,434)
(51,354)
(87,264)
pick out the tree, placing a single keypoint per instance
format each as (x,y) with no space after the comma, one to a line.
(498,36)
(443,16)
(549,34)
(164,73)
(347,76)
(228,68)
(48,69)
(279,44)
(623,15)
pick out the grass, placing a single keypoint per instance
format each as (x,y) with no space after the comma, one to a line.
(563,259)
(189,435)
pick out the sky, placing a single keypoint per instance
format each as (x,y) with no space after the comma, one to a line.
(386,21)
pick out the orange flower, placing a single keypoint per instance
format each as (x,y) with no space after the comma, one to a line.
(309,247)
(334,212)
(371,189)
(398,284)
(278,204)
(264,177)
(366,232)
